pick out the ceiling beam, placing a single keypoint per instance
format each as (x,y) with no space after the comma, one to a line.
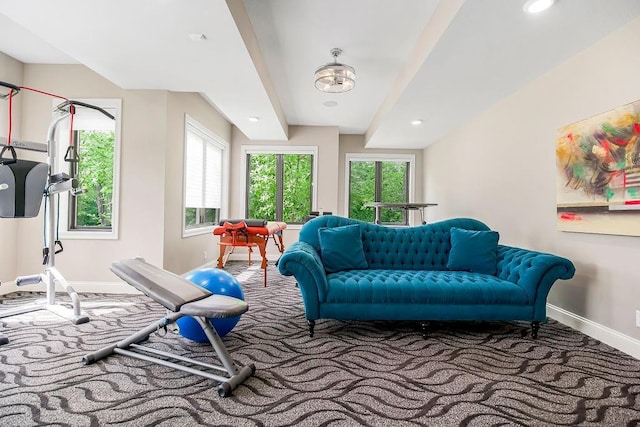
(433,31)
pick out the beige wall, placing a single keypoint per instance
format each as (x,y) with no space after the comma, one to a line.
(500,168)
(10,72)
(184,254)
(150,181)
(355,144)
(141,180)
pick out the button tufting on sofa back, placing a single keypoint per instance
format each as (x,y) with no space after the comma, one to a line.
(424,247)
(513,262)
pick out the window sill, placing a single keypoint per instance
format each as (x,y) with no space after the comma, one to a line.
(89,235)
(190,232)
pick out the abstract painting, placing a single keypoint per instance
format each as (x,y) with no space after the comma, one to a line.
(598,164)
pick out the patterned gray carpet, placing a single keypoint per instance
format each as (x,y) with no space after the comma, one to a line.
(350,373)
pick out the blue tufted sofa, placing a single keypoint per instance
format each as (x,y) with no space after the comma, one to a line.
(407,277)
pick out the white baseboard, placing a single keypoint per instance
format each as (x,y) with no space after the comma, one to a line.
(210,264)
(8,287)
(609,336)
(103,288)
(80,287)
(615,339)
(119,287)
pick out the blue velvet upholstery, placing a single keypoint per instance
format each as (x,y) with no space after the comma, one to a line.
(341,248)
(422,287)
(474,251)
(407,276)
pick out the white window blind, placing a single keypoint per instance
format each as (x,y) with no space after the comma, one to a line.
(213,177)
(88,119)
(204,172)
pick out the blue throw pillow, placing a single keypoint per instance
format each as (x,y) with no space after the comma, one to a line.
(341,248)
(474,251)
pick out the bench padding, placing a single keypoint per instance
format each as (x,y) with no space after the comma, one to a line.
(248,222)
(184,299)
(215,307)
(170,290)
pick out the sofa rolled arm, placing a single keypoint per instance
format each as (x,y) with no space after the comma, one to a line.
(303,262)
(535,271)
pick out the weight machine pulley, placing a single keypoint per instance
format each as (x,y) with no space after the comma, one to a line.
(23,186)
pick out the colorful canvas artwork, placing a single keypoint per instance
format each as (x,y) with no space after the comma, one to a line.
(598,184)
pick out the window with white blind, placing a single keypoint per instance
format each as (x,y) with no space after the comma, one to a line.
(205,178)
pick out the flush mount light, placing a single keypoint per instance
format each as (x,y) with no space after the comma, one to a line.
(197,37)
(416,122)
(536,6)
(335,77)
(254,119)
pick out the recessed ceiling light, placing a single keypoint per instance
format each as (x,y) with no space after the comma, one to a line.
(417,122)
(535,6)
(197,37)
(330,103)
(254,119)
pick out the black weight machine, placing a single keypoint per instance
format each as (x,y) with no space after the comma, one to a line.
(23,185)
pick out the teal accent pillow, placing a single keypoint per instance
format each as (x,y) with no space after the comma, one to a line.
(341,248)
(474,251)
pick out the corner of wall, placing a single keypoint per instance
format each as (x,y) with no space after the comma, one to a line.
(11,71)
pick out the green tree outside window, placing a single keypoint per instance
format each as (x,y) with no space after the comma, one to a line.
(279,187)
(93,209)
(378,181)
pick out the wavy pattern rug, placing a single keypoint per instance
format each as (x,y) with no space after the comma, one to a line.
(350,373)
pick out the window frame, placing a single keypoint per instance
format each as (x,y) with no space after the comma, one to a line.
(114,106)
(278,149)
(379,157)
(210,138)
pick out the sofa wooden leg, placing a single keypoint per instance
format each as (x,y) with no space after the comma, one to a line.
(425,328)
(535,327)
(312,324)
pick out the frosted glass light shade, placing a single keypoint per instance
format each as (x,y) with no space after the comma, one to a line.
(335,78)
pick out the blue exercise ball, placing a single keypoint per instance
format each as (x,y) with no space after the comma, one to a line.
(218,282)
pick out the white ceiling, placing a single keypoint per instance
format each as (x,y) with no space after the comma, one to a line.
(442,61)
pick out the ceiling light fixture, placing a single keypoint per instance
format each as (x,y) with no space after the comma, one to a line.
(417,122)
(335,77)
(535,6)
(254,119)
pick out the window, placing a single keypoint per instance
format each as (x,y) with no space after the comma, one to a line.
(378,178)
(93,213)
(279,183)
(205,172)
(94,172)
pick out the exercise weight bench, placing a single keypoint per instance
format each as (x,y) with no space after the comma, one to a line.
(181,298)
